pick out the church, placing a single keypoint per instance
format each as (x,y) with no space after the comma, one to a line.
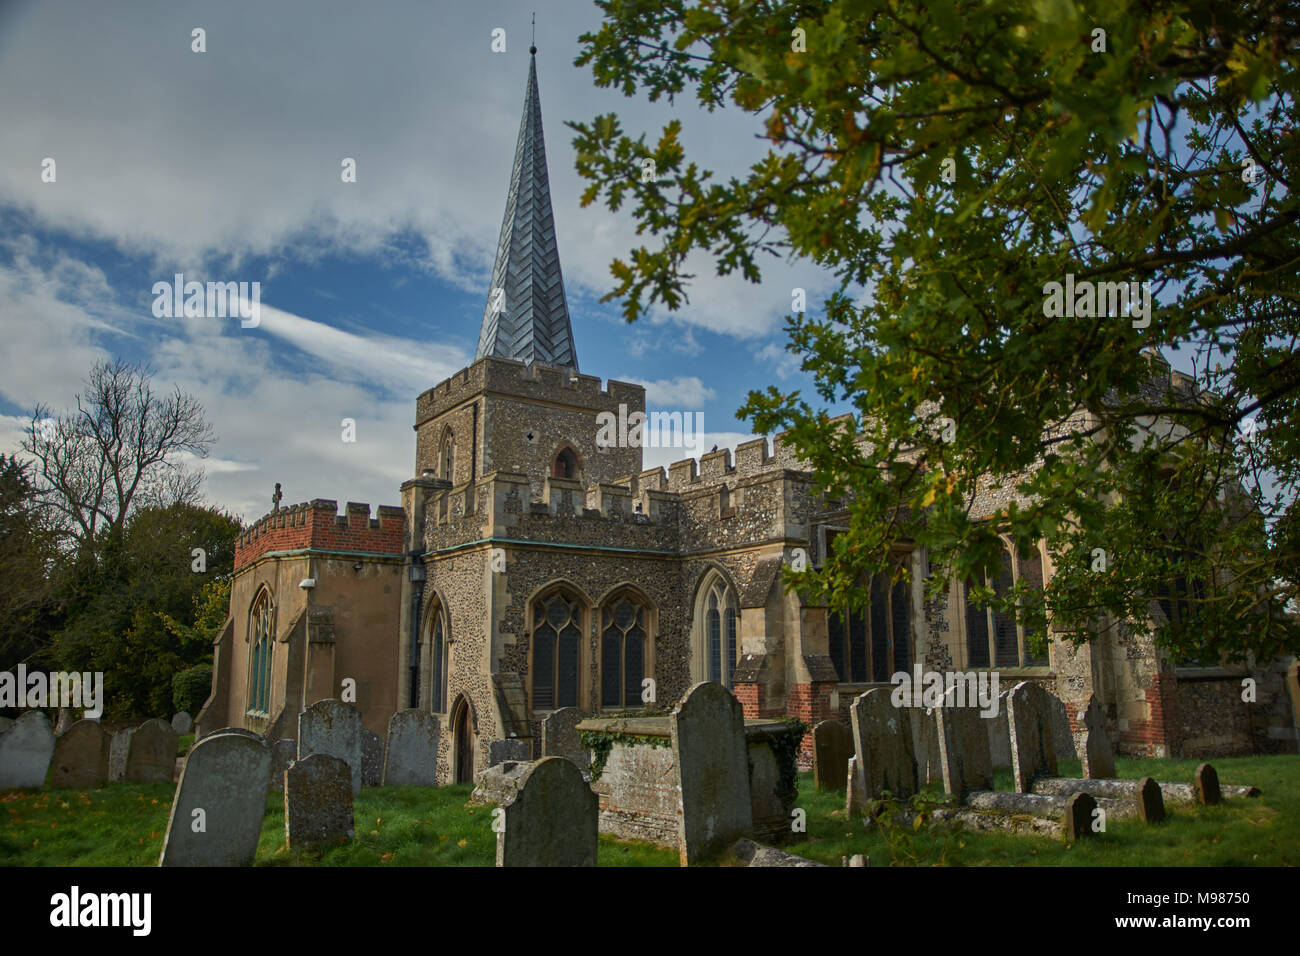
(532,566)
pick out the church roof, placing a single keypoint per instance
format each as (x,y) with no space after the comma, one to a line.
(527,315)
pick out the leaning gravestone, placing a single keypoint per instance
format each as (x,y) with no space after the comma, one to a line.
(25,751)
(882,740)
(65,720)
(283,753)
(80,757)
(216,818)
(1033,753)
(560,736)
(832,747)
(372,759)
(964,758)
(511,748)
(1094,748)
(1207,786)
(182,723)
(552,819)
(1079,809)
(152,754)
(855,800)
(334,728)
(118,750)
(708,738)
(412,757)
(318,801)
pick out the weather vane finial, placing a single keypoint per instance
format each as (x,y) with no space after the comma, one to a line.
(533,49)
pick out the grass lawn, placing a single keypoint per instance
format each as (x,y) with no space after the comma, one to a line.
(123,825)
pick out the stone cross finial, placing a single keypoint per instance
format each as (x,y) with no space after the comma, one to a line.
(275,498)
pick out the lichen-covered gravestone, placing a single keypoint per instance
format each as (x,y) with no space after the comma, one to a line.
(283,753)
(560,736)
(80,757)
(1094,748)
(372,759)
(182,723)
(25,751)
(882,740)
(964,759)
(412,756)
(318,801)
(334,728)
(152,754)
(511,748)
(119,748)
(552,819)
(708,738)
(1033,753)
(216,818)
(832,747)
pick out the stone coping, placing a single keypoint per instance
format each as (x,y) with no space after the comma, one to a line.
(663,726)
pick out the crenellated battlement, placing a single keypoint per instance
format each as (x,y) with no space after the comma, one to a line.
(540,382)
(317,524)
(751,458)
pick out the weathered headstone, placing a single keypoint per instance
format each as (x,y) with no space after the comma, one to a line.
(372,759)
(182,723)
(832,746)
(318,801)
(1058,721)
(1150,801)
(882,740)
(855,800)
(963,750)
(1207,786)
(67,717)
(283,753)
(333,728)
(412,757)
(925,745)
(511,748)
(216,818)
(552,819)
(25,751)
(1033,752)
(80,757)
(119,748)
(560,736)
(1000,734)
(1079,809)
(708,735)
(1095,752)
(152,754)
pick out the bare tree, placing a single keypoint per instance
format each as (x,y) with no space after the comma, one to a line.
(124,446)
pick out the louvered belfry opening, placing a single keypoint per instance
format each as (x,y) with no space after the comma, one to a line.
(527,316)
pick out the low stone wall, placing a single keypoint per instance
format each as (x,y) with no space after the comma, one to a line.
(637,783)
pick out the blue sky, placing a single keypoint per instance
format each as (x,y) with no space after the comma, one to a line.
(224,165)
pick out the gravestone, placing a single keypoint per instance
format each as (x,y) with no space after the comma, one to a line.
(964,759)
(67,717)
(412,757)
(225,777)
(333,728)
(1207,786)
(151,757)
(560,736)
(25,751)
(925,745)
(832,746)
(182,723)
(318,801)
(1033,753)
(5,723)
(1150,801)
(372,759)
(511,748)
(1094,748)
(80,757)
(708,736)
(1000,734)
(1058,719)
(552,819)
(119,748)
(882,740)
(283,753)
(855,800)
(1079,808)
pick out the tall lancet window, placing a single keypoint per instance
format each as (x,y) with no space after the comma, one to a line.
(717,623)
(556,650)
(447,456)
(261,640)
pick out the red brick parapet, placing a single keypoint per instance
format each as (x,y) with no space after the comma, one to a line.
(316,524)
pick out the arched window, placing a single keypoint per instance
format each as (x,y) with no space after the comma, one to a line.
(717,625)
(566,464)
(624,646)
(429,661)
(447,456)
(261,640)
(875,642)
(556,649)
(994,638)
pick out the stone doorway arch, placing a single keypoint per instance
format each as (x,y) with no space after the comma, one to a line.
(464,741)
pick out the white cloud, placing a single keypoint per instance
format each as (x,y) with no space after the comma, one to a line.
(686,392)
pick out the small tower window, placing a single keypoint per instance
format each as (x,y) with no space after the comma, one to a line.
(447,456)
(566,464)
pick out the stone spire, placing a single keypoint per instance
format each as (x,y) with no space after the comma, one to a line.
(527,316)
